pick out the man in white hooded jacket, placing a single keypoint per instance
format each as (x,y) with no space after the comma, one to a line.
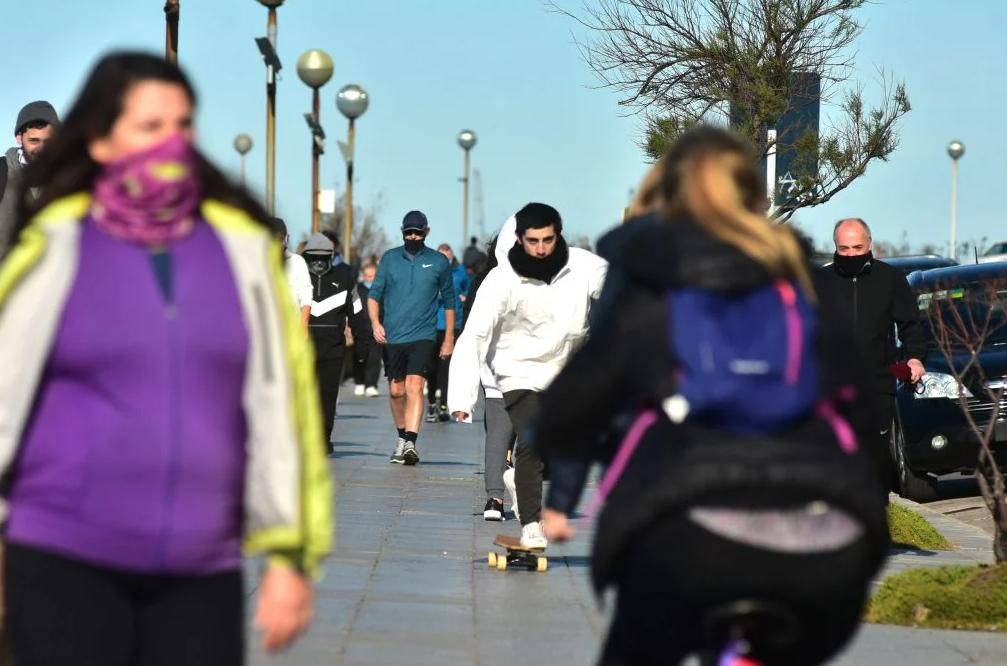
(530,316)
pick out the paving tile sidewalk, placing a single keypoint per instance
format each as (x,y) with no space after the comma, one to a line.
(408,581)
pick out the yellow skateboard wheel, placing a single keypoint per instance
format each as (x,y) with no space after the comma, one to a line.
(491,560)
(541,564)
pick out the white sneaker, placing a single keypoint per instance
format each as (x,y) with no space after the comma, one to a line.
(371,392)
(398,456)
(532,536)
(359,390)
(508,480)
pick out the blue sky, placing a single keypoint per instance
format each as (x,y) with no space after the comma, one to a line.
(510,70)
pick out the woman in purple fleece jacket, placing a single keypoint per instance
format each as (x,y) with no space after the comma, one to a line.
(138,469)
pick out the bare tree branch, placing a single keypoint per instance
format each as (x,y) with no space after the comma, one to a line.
(679,62)
(963,321)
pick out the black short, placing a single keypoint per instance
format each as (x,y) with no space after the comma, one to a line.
(409,358)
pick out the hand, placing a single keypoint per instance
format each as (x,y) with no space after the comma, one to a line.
(447,348)
(379,333)
(556,526)
(460,417)
(917,370)
(284,608)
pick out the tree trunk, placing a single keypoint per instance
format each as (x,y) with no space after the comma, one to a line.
(999,544)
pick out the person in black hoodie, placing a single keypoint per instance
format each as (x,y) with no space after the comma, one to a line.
(876,299)
(673,565)
(335,300)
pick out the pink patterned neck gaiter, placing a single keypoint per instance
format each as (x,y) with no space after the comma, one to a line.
(150,197)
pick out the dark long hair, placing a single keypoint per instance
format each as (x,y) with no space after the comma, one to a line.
(66,167)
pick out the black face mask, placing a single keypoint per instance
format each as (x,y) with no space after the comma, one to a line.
(318,263)
(544,269)
(414,245)
(854,265)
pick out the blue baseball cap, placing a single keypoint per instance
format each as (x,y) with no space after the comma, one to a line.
(414,221)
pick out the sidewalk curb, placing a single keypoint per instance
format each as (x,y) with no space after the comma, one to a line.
(967,539)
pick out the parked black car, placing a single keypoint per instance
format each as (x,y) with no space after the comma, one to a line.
(931,435)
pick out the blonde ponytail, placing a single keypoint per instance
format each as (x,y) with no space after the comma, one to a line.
(711,194)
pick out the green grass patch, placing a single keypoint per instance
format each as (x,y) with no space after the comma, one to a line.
(957,597)
(911,530)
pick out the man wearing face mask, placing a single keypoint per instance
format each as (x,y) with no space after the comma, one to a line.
(878,302)
(530,316)
(366,352)
(33,130)
(412,281)
(334,299)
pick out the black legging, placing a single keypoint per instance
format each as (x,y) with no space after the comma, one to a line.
(329,372)
(671,575)
(366,363)
(437,379)
(62,611)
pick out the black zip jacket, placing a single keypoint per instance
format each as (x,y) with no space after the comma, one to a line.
(876,301)
(627,365)
(335,298)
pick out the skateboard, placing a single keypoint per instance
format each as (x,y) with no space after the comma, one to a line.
(517,555)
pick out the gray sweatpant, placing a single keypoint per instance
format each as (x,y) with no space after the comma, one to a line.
(499,439)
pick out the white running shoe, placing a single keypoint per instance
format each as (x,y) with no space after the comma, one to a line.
(508,480)
(398,456)
(532,536)
(372,392)
(358,390)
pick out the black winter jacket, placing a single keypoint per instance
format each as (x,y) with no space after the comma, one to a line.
(874,303)
(627,365)
(335,300)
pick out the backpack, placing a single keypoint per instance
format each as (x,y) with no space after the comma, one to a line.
(746,360)
(3,177)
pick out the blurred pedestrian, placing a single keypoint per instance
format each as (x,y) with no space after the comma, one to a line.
(437,380)
(161,408)
(298,277)
(740,477)
(33,131)
(366,352)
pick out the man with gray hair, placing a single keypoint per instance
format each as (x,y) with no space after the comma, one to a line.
(32,131)
(876,298)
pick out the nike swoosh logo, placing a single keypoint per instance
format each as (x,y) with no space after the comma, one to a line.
(427,265)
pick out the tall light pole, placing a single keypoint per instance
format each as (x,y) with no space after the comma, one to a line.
(315,69)
(352,102)
(171,15)
(955,150)
(242,144)
(267,46)
(467,140)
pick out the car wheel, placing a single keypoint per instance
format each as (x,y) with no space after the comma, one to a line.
(913,486)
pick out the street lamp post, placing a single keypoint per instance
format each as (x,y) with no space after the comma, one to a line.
(955,150)
(467,140)
(242,144)
(315,69)
(352,102)
(171,15)
(267,46)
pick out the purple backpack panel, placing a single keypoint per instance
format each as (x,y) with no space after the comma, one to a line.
(746,360)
